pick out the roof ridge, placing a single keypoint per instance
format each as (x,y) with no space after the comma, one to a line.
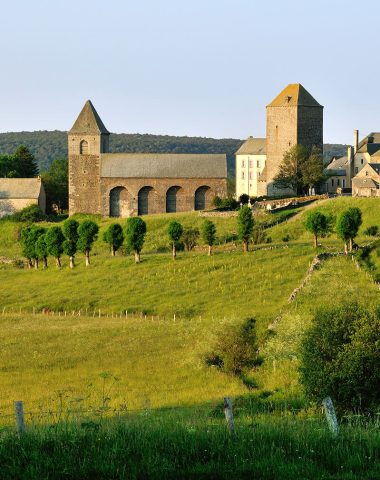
(88,121)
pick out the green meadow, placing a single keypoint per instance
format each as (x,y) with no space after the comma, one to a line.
(119,382)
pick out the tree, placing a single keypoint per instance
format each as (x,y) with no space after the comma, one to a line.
(114,236)
(135,232)
(312,170)
(70,231)
(340,357)
(56,185)
(175,231)
(190,238)
(29,236)
(318,224)
(245,224)
(87,234)
(41,249)
(347,226)
(290,171)
(209,234)
(54,243)
(26,165)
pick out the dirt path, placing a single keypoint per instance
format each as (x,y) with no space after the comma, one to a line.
(310,205)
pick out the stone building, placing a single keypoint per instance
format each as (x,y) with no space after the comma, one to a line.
(338,173)
(18,193)
(293,117)
(367,182)
(250,162)
(128,184)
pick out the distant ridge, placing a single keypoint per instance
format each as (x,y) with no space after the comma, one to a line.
(49,145)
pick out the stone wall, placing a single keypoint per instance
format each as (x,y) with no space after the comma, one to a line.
(84,184)
(157,196)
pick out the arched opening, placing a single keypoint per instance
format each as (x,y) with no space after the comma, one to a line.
(83,147)
(171,199)
(119,204)
(144,198)
(200,198)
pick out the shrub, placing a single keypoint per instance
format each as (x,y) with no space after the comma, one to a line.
(29,214)
(340,357)
(244,198)
(236,348)
(175,231)
(216,201)
(372,231)
(135,232)
(258,234)
(286,238)
(190,238)
(245,224)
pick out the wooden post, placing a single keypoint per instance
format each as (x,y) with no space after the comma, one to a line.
(228,414)
(19,411)
(332,421)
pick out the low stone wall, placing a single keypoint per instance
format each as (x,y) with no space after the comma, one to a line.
(284,202)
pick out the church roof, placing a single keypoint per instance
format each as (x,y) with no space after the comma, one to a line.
(163,165)
(253,146)
(20,188)
(88,121)
(294,95)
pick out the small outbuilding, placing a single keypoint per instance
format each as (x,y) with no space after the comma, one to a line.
(18,193)
(367,182)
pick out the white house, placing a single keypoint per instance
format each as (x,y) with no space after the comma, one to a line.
(250,162)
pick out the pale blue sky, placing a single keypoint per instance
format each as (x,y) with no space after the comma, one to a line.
(196,67)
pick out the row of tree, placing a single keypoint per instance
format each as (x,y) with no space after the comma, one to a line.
(346,225)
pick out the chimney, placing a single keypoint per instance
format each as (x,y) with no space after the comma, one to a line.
(356,140)
(349,154)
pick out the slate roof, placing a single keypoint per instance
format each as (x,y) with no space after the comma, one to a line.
(20,188)
(337,167)
(88,121)
(370,144)
(253,146)
(376,167)
(163,165)
(294,95)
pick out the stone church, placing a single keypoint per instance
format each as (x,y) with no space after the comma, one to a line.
(293,117)
(129,184)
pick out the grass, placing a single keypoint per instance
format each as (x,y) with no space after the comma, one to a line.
(95,372)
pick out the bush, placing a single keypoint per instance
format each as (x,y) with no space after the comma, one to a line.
(236,348)
(190,237)
(340,357)
(244,198)
(29,214)
(372,231)
(258,234)
(216,201)
(286,238)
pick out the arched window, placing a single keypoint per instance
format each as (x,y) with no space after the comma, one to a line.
(144,199)
(83,147)
(171,199)
(119,202)
(200,198)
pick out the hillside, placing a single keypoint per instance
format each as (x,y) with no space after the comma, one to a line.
(48,146)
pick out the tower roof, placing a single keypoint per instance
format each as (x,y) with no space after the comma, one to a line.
(88,121)
(294,95)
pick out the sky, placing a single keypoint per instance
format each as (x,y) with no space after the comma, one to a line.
(187,67)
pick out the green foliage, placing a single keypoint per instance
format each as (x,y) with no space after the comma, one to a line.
(348,224)
(54,241)
(114,236)
(236,348)
(41,247)
(20,164)
(208,231)
(228,203)
(372,231)
(300,170)
(87,234)
(341,355)
(245,224)
(56,185)
(175,231)
(29,214)
(190,237)
(318,224)
(135,232)
(244,198)
(28,237)
(216,201)
(70,231)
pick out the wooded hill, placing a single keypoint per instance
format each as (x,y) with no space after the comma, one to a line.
(47,146)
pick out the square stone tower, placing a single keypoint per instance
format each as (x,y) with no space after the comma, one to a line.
(293,117)
(87,140)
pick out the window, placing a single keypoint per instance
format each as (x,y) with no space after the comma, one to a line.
(83,147)
(250,163)
(343,183)
(242,176)
(250,175)
(242,164)
(332,182)
(338,182)
(258,164)
(366,173)
(356,169)
(362,161)
(258,174)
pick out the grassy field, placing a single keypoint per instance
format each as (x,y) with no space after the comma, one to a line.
(148,369)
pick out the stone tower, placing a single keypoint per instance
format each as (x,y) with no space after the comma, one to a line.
(293,117)
(87,140)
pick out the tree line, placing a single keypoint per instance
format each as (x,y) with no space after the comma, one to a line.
(39,243)
(19,164)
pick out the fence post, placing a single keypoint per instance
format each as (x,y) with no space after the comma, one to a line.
(19,411)
(228,414)
(332,421)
